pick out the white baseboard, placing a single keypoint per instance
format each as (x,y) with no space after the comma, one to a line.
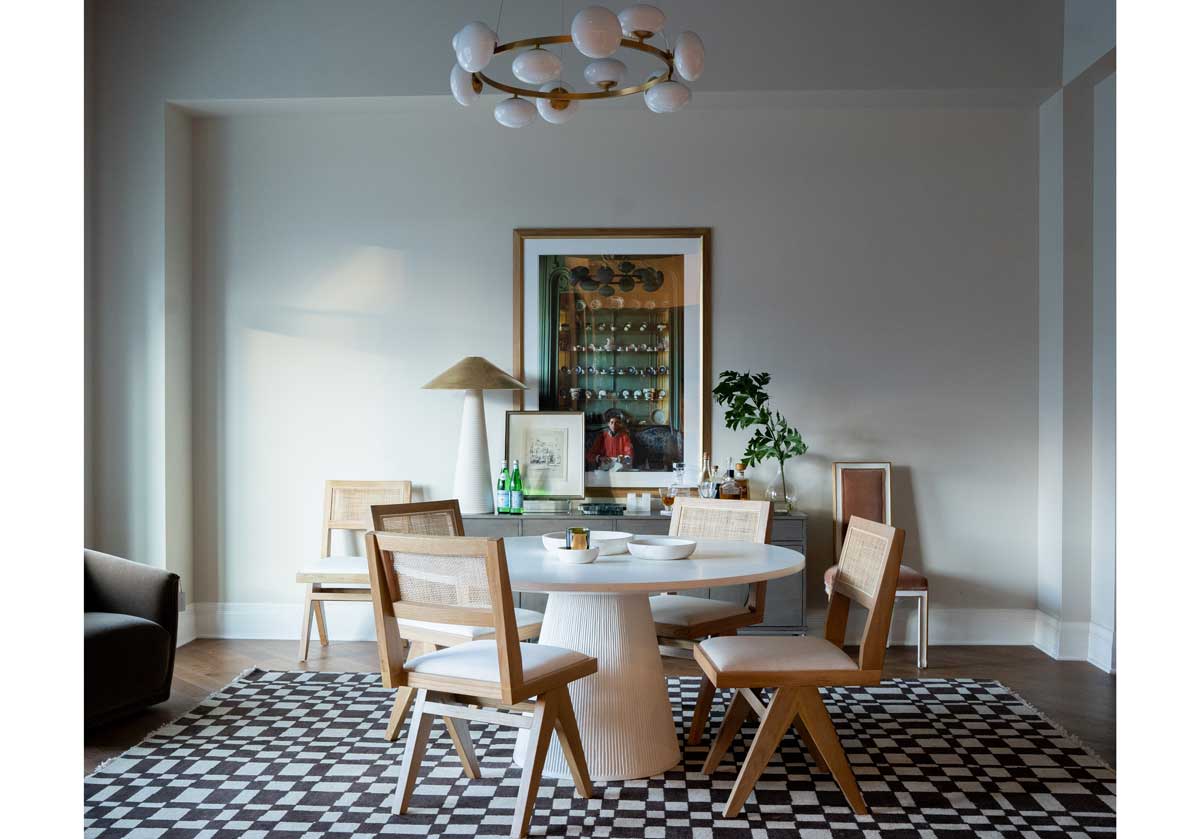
(946,626)
(1074,641)
(1100,647)
(186,633)
(1020,627)
(281,621)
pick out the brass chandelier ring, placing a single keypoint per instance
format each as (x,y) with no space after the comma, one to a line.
(562,95)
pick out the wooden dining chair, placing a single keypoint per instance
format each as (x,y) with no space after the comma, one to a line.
(342,577)
(434,518)
(865,489)
(500,681)
(681,620)
(798,666)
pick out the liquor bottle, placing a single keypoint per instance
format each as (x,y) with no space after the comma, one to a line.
(502,495)
(516,491)
(739,475)
(729,486)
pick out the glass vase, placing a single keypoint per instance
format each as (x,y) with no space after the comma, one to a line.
(781,493)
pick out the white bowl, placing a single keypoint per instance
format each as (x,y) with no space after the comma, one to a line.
(661,547)
(577,557)
(610,542)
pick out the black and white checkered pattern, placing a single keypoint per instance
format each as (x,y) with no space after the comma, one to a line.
(302,755)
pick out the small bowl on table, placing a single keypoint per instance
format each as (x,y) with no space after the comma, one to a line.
(608,542)
(661,547)
(573,556)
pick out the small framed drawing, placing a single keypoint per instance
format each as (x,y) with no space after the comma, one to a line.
(549,446)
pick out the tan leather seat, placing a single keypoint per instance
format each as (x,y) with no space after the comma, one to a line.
(772,661)
(681,610)
(480,661)
(910,579)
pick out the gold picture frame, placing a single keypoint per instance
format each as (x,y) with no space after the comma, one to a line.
(696,243)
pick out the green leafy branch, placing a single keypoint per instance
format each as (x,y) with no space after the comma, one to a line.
(747,405)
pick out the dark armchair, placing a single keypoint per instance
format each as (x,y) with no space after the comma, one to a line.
(130,620)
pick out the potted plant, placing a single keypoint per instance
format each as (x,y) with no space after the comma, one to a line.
(746,403)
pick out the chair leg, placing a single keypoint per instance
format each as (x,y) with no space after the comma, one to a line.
(923,641)
(306,621)
(535,758)
(701,712)
(774,725)
(460,734)
(414,751)
(816,719)
(735,715)
(404,700)
(319,611)
(809,743)
(572,746)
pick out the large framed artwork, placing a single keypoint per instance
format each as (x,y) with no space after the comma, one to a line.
(550,448)
(614,324)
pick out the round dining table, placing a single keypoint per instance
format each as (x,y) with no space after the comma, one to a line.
(602,609)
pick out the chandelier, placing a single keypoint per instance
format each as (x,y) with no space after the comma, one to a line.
(598,34)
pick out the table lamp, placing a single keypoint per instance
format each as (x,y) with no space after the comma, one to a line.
(472,476)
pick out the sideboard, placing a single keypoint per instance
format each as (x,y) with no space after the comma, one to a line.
(785,611)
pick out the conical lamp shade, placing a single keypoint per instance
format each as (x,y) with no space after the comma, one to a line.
(474,373)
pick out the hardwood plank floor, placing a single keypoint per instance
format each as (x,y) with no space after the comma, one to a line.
(1073,693)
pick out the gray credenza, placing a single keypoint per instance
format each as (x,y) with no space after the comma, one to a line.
(785,610)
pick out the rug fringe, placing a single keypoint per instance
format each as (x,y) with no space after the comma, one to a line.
(1061,731)
(174,720)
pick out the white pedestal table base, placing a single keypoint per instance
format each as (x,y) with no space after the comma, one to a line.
(624,712)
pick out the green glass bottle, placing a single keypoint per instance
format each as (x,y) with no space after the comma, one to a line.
(502,494)
(516,491)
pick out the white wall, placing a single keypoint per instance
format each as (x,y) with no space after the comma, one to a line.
(868,235)
(879,262)
(1101,650)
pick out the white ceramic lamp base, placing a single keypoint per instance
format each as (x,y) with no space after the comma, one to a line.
(472,480)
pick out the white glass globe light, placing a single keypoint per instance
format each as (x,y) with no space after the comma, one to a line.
(667,97)
(596,32)
(642,20)
(474,45)
(537,66)
(463,85)
(605,73)
(558,111)
(514,112)
(689,56)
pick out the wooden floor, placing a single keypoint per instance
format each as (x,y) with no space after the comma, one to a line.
(1073,693)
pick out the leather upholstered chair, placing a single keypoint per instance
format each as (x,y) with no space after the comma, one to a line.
(865,489)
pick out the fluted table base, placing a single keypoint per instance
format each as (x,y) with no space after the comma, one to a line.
(624,711)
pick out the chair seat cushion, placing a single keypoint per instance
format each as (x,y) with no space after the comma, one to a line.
(125,662)
(910,579)
(758,660)
(479,660)
(681,610)
(353,566)
(525,617)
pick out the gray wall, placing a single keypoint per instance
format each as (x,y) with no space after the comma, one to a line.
(879,262)
(926,249)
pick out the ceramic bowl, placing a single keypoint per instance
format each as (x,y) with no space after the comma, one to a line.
(661,547)
(573,557)
(609,542)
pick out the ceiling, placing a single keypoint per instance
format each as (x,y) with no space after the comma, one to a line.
(286,48)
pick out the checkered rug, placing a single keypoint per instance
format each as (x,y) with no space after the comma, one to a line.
(301,755)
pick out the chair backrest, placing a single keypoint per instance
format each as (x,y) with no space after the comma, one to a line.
(444,579)
(422,518)
(348,505)
(711,518)
(867,570)
(861,489)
